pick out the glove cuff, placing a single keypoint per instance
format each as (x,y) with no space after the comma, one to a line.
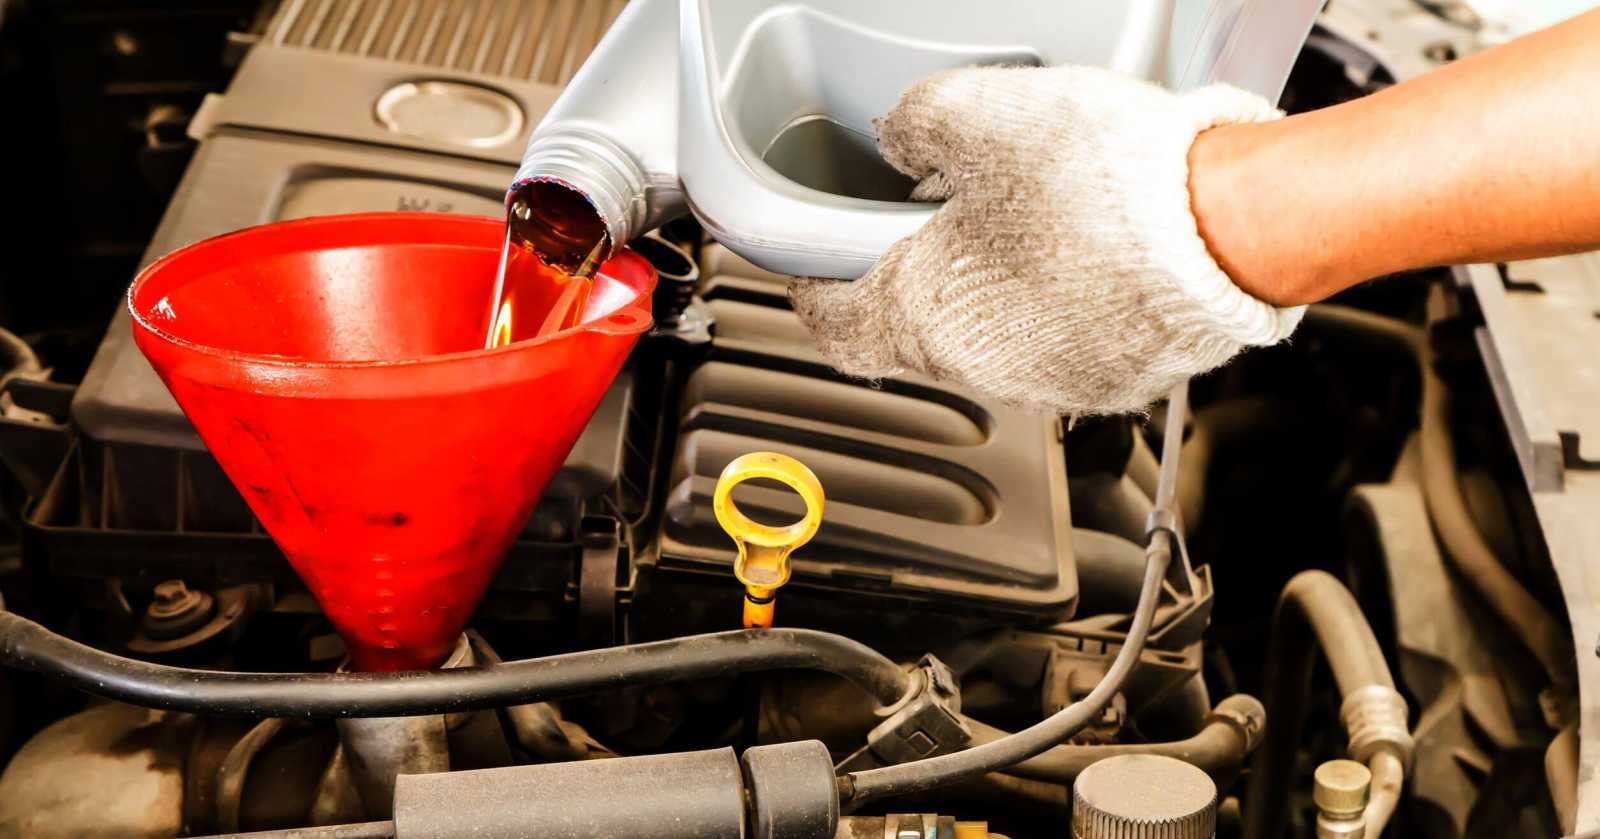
(1223,306)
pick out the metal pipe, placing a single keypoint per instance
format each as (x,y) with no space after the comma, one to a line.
(857,788)
(1171,449)
(1388,776)
(1219,748)
(28,646)
(1315,612)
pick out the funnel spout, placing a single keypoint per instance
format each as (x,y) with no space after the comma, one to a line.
(612,135)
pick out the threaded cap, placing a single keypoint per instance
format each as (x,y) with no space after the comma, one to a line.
(1143,797)
(1341,787)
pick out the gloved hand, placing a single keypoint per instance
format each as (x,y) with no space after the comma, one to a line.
(1065,272)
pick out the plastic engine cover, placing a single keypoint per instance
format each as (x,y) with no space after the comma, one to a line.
(932,494)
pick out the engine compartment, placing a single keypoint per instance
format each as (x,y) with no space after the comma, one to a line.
(1009,548)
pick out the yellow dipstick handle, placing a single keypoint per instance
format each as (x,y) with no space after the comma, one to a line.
(763,563)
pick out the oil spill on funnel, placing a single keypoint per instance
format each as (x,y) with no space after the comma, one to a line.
(332,366)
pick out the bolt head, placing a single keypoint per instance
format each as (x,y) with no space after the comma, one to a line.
(171,592)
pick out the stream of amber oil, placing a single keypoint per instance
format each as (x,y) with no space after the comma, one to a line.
(533,298)
(553,245)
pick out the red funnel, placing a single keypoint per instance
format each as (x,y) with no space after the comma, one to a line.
(329,366)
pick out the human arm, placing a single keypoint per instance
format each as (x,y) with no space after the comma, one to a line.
(1492,158)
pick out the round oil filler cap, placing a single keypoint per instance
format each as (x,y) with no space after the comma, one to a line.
(1143,797)
(450,112)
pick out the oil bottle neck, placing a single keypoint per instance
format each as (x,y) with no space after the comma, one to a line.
(598,170)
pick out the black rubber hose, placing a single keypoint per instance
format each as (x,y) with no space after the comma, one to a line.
(1219,748)
(28,646)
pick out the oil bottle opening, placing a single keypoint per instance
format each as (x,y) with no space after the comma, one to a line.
(560,224)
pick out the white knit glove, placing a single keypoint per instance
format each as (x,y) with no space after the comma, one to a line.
(1065,273)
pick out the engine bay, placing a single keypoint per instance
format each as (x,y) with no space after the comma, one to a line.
(1340,522)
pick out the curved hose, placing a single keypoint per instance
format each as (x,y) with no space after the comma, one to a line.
(1219,747)
(29,646)
(1533,624)
(1317,611)
(1388,777)
(1538,629)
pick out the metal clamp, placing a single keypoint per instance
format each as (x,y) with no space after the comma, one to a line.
(1180,573)
(925,723)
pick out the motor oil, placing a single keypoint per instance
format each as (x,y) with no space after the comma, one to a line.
(553,245)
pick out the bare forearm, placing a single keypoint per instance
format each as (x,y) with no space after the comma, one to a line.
(1495,157)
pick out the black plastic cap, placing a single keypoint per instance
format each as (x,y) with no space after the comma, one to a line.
(792,792)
